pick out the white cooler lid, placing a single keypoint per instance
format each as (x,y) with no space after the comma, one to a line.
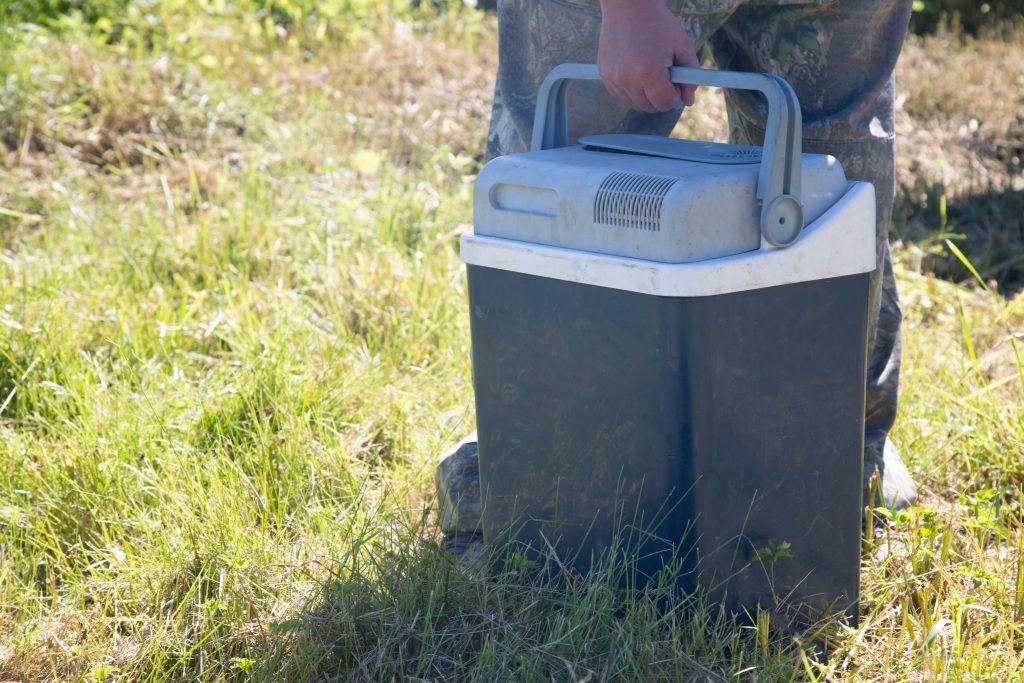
(838,241)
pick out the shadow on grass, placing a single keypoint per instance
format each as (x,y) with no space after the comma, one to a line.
(988,227)
(406,610)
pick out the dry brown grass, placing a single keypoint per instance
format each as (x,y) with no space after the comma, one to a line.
(960,149)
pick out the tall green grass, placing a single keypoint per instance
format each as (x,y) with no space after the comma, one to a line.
(233,338)
(159,22)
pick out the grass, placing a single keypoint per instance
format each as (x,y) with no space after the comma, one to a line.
(233,339)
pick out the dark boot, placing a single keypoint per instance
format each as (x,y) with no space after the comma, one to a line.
(897,490)
(457,480)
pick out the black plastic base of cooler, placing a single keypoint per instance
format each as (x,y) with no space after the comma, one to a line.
(722,435)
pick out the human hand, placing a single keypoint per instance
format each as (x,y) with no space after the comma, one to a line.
(640,40)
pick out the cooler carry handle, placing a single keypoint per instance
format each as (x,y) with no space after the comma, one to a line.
(778,183)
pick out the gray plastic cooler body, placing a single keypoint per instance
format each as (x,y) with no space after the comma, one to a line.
(711,429)
(652,374)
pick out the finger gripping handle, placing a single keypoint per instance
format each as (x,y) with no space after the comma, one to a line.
(778,183)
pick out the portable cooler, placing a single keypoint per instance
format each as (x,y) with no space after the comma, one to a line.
(663,354)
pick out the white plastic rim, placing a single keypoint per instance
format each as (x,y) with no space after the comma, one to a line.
(840,242)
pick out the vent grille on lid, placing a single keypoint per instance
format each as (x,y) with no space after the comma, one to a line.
(632,200)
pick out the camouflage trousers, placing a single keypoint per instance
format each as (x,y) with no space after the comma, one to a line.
(839,57)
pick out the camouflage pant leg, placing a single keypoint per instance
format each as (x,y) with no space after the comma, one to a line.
(839,59)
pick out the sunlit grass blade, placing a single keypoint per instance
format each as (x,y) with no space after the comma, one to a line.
(966,263)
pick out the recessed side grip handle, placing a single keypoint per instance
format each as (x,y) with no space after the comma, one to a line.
(778,182)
